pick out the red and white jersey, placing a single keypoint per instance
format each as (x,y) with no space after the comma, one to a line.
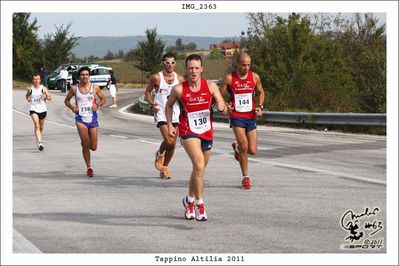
(243,99)
(196,115)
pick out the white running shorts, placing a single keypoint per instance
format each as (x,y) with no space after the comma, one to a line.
(112,90)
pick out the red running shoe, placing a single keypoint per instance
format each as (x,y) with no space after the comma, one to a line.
(90,172)
(234,145)
(245,183)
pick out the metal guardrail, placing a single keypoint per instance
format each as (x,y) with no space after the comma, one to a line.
(336,119)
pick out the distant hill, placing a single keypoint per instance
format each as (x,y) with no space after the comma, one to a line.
(99,46)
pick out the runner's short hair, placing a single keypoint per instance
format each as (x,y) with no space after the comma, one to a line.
(168,55)
(85,68)
(193,57)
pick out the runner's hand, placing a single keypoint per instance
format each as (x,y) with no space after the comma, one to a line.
(155,108)
(172,132)
(258,111)
(75,109)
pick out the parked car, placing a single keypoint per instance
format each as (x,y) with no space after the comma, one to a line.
(98,75)
(54,78)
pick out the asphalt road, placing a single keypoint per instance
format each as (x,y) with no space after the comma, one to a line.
(303,184)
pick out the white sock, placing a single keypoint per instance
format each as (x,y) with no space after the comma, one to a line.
(159,154)
(198,202)
(190,199)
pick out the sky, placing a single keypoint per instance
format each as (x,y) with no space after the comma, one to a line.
(128,24)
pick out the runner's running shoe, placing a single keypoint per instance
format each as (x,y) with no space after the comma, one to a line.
(40,146)
(165,173)
(90,172)
(245,183)
(234,145)
(200,214)
(159,161)
(189,207)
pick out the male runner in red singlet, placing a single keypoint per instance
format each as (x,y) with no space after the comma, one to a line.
(85,109)
(242,85)
(162,83)
(195,128)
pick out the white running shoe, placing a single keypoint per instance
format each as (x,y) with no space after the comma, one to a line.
(189,213)
(200,214)
(40,146)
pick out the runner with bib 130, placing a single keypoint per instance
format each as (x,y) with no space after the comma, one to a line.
(242,85)
(195,129)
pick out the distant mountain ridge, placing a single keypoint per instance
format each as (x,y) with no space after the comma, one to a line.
(100,45)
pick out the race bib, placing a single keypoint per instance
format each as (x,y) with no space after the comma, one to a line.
(86,112)
(200,121)
(37,100)
(243,102)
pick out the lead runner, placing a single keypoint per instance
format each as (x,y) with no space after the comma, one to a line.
(195,128)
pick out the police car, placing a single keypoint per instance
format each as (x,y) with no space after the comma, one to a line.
(100,75)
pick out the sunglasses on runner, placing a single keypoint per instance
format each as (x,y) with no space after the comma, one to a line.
(169,62)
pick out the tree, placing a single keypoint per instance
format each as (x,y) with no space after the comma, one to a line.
(57,46)
(26,47)
(109,56)
(319,63)
(215,54)
(179,45)
(149,53)
(191,46)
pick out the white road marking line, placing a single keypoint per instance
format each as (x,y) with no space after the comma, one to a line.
(149,142)
(23,245)
(118,136)
(311,169)
(47,121)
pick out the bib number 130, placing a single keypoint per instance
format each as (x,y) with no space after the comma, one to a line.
(199,122)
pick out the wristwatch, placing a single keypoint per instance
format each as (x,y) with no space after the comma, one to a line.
(261,107)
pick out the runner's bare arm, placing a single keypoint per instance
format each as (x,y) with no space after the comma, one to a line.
(221,104)
(154,83)
(261,94)
(101,96)
(173,97)
(225,84)
(28,94)
(68,98)
(47,94)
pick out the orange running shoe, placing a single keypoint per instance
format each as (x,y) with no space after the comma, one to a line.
(165,173)
(158,161)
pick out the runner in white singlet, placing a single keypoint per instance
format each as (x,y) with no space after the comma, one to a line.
(162,83)
(37,95)
(85,109)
